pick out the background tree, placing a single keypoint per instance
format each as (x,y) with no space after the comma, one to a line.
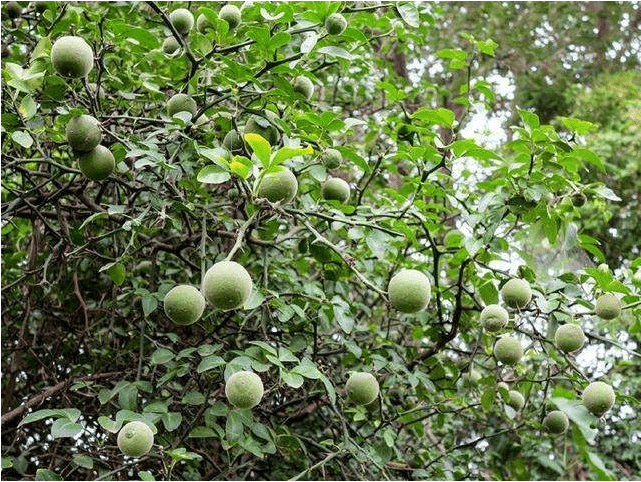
(221,152)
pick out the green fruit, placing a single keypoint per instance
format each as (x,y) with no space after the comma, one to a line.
(72,57)
(97,164)
(516,293)
(607,307)
(233,142)
(304,87)
(335,24)
(135,439)
(263,127)
(244,389)
(231,15)
(508,350)
(556,422)
(598,398)
(278,186)
(227,285)
(335,189)
(13,9)
(182,20)
(181,103)
(83,133)
(472,377)
(170,45)
(569,337)
(494,317)
(362,388)
(409,291)
(516,400)
(503,385)
(184,304)
(203,23)
(578,199)
(331,158)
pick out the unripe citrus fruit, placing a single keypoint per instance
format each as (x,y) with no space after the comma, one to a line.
(83,133)
(244,389)
(335,24)
(508,350)
(233,142)
(72,57)
(556,422)
(231,15)
(516,400)
(362,388)
(13,9)
(409,291)
(227,285)
(203,23)
(135,439)
(607,307)
(335,189)
(331,158)
(598,398)
(516,293)
(182,20)
(494,317)
(261,126)
(472,377)
(170,45)
(304,86)
(278,186)
(184,304)
(97,164)
(181,103)
(569,337)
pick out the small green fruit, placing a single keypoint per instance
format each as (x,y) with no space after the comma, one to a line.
(264,128)
(227,285)
(278,186)
(170,45)
(135,439)
(556,422)
(607,307)
(181,103)
(304,86)
(578,199)
(516,293)
(83,133)
(97,164)
(598,398)
(184,304)
(335,189)
(494,317)
(244,389)
(233,142)
(516,400)
(508,350)
(231,15)
(182,20)
(331,158)
(13,9)
(472,377)
(362,388)
(72,57)
(203,23)
(569,337)
(335,24)
(409,291)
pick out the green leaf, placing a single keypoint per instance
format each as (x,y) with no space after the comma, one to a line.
(292,379)
(145,475)
(213,174)
(576,411)
(193,397)
(285,153)
(241,166)
(607,193)
(83,460)
(22,138)
(149,304)
(234,427)
(577,125)
(408,13)
(28,108)
(440,116)
(41,414)
(590,157)
(63,427)
(7,462)
(333,51)
(209,362)
(109,425)
(202,432)
(45,474)
(262,149)
(487,46)
(117,273)
(160,356)
(308,369)
(530,120)
(171,420)
(157,407)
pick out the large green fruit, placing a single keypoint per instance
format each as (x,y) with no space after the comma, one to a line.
(264,128)
(184,304)
(409,291)
(227,285)
(335,24)
(304,86)
(135,439)
(182,20)
(331,158)
(494,317)
(362,388)
(556,422)
(233,142)
(181,103)
(598,398)
(244,389)
(97,164)
(72,57)
(230,14)
(203,23)
(516,293)
(569,337)
(508,350)
(516,400)
(12,9)
(170,45)
(83,133)
(607,307)
(278,186)
(335,189)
